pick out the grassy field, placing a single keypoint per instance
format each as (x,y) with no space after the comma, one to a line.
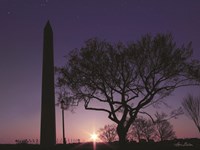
(167,145)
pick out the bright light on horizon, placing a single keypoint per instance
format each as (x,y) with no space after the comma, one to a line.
(94,137)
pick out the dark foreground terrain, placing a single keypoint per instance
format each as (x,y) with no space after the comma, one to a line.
(191,144)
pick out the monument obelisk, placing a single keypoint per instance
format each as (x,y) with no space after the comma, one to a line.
(48,125)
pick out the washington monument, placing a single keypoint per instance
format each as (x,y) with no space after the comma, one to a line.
(48,127)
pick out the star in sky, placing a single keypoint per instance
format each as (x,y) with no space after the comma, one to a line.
(9,12)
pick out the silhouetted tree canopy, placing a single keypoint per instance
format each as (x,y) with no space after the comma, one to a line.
(142,129)
(191,106)
(126,78)
(157,129)
(108,133)
(164,129)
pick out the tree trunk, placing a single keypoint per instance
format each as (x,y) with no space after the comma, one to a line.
(198,128)
(122,133)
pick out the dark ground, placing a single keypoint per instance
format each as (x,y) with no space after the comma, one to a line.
(167,145)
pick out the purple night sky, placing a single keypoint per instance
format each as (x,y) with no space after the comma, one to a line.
(73,22)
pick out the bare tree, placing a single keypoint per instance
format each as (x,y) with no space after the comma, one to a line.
(191,106)
(164,130)
(159,128)
(142,129)
(108,133)
(135,132)
(148,130)
(127,78)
